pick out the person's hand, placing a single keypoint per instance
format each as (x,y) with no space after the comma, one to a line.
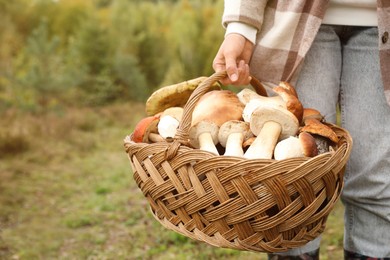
(233,56)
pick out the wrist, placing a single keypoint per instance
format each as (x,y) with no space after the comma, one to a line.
(249,32)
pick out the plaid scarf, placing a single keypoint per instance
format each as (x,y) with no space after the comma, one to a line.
(286,30)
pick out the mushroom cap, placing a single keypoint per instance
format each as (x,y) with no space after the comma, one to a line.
(313,126)
(255,102)
(217,106)
(200,128)
(145,126)
(175,112)
(233,126)
(308,144)
(292,102)
(289,87)
(311,113)
(175,95)
(270,112)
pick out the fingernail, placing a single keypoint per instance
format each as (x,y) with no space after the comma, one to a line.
(233,77)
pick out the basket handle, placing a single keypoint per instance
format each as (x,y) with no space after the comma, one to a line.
(182,134)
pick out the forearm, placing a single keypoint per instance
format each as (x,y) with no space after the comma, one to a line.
(250,12)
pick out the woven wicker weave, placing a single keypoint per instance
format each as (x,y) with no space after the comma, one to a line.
(231,202)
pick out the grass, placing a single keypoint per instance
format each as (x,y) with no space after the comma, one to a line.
(66,192)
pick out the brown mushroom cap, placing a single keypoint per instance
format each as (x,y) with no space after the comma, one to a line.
(144,127)
(217,106)
(311,113)
(308,144)
(289,87)
(292,102)
(175,95)
(313,126)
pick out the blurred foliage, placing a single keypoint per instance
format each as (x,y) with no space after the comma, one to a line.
(94,52)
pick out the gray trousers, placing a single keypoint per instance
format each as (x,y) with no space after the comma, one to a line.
(342,67)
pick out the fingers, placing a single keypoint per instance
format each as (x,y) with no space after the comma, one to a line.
(238,74)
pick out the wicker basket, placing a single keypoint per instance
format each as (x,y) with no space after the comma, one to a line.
(231,202)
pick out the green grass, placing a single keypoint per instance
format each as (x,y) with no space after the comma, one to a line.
(66,192)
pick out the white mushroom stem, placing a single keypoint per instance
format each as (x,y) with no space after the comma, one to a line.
(288,148)
(270,123)
(154,138)
(263,146)
(234,145)
(232,134)
(206,143)
(204,136)
(167,126)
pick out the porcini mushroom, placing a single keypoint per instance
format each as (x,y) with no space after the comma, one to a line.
(311,113)
(246,95)
(291,100)
(204,136)
(146,130)
(169,122)
(302,146)
(175,95)
(217,106)
(270,122)
(322,133)
(213,109)
(232,135)
(289,87)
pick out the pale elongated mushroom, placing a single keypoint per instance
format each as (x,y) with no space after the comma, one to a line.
(246,95)
(285,99)
(270,122)
(175,95)
(302,146)
(232,135)
(213,109)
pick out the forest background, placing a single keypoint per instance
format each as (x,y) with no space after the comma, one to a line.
(74,76)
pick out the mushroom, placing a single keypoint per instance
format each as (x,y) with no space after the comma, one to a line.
(169,122)
(285,98)
(212,110)
(175,95)
(232,135)
(302,146)
(204,136)
(218,106)
(167,126)
(146,130)
(270,122)
(287,86)
(311,113)
(322,133)
(292,103)
(246,95)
